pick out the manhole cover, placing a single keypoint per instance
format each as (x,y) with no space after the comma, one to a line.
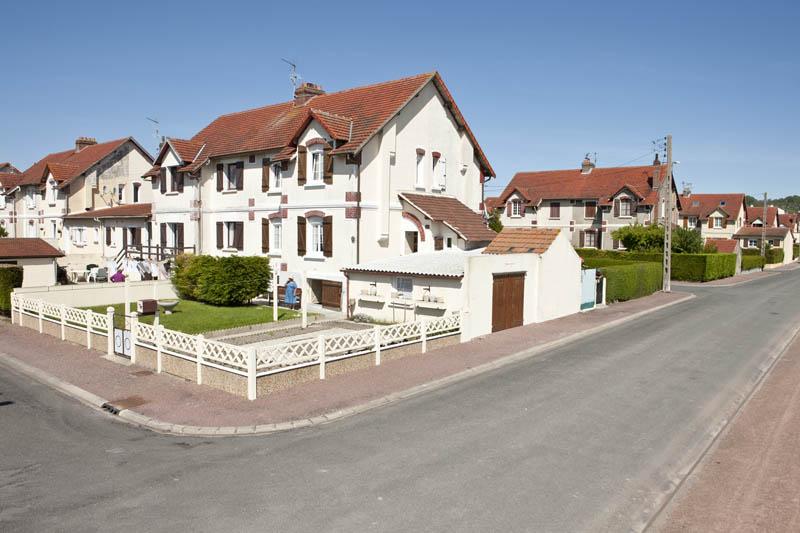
(127,403)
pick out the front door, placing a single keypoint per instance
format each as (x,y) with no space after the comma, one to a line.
(508,298)
(331,294)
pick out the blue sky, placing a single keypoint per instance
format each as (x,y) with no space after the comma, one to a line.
(540,83)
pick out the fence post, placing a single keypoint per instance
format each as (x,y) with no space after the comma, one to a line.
(377,331)
(321,349)
(159,343)
(134,323)
(110,325)
(201,342)
(274,295)
(423,327)
(13,304)
(251,373)
(63,310)
(39,307)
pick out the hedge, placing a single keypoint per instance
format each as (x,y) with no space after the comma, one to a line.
(685,267)
(795,251)
(751,262)
(773,255)
(631,280)
(10,279)
(231,280)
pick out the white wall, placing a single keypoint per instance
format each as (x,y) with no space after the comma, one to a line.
(38,271)
(559,281)
(403,310)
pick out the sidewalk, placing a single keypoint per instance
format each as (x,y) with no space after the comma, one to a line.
(160,400)
(750,480)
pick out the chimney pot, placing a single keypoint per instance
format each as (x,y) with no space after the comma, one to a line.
(586,165)
(656,161)
(305,92)
(83,142)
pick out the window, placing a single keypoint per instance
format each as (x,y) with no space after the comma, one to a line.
(624,207)
(692,222)
(276,176)
(420,178)
(30,229)
(590,209)
(515,208)
(555,210)
(2,200)
(230,230)
(316,166)
(53,229)
(315,236)
(757,223)
(30,198)
(439,173)
(404,286)
(590,239)
(96,233)
(136,192)
(121,193)
(277,234)
(79,236)
(752,243)
(233,176)
(717,222)
(449,242)
(52,191)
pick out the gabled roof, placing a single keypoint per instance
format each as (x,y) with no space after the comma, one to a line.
(756,212)
(600,184)
(522,241)
(702,205)
(724,246)
(119,211)
(9,180)
(464,221)
(22,248)
(352,116)
(754,231)
(787,219)
(7,167)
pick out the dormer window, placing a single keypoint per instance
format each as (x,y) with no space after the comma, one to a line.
(516,208)
(624,207)
(52,191)
(695,203)
(717,222)
(276,176)
(317,167)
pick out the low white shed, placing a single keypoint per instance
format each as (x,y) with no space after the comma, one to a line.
(36,257)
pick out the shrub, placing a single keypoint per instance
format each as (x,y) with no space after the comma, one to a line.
(640,238)
(751,262)
(795,251)
(631,280)
(10,279)
(774,255)
(494,221)
(188,269)
(685,267)
(688,241)
(233,280)
(710,248)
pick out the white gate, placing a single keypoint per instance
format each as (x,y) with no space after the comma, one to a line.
(588,288)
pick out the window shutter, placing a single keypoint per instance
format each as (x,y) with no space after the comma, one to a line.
(508,209)
(136,234)
(710,223)
(438,243)
(582,239)
(220,172)
(108,236)
(522,209)
(724,223)
(265,175)
(264,235)
(616,208)
(327,236)
(685,222)
(301,165)
(238,235)
(220,234)
(301,236)
(163,235)
(327,170)
(162,176)
(179,237)
(124,237)
(180,176)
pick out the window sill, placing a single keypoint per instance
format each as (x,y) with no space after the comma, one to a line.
(274,192)
(314,185)
(314,257)
(553,218)
(276,253)
(419,187)
(230,250)
(625,216)
(229,191)
(171,193)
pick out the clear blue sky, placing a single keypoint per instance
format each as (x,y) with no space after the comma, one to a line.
(540,83)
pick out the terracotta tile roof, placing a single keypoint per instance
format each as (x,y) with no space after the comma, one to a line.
(755,212)
(11,248)
(493,202)
(187,150)
(352,115)
(724,246)
(600,184)
(702,205)
(7,167)
(787,219)
(460,218)
(522,241)
(9,180)
(119,211)
(755,231)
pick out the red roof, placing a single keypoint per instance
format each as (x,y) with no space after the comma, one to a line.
(756,212)
(7,167)
(724,246)
(787,219)
(119,211)
(755,231)
(448,210)
(9,180)
(493,202)
(352,116)
(702,205)
(572,184)
(522,241)
(13,248)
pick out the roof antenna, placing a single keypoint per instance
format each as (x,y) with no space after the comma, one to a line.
(156,125)
(294,77)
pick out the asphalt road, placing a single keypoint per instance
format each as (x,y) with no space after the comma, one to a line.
(590,436)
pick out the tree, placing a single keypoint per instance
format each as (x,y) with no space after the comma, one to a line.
(3,232)
(494,221)
(687,241)
(638,238)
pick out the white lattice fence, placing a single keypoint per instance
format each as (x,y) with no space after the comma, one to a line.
(145,333)
(179,343)
(345,343)
(287,354)
(225,354)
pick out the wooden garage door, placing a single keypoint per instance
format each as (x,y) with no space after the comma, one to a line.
(508,295)
(331,294)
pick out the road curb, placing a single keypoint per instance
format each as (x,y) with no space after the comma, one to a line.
(138,419)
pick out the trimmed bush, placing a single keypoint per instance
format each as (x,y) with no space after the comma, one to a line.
(221,280)
(631,280)
(795,251)
(10,279)
(685,267)
(751,262)
(774,255)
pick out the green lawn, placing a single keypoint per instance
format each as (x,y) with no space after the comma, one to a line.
(196,317)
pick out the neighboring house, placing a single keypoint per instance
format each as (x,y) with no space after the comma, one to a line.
(791,221)
(9,186)
(755,216)
(587,203)
(750,238)
(36,257)
(327,180)
(8,168)
(108,232)
(88,178)
(715,216)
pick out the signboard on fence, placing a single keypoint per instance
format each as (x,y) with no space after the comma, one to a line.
(122,342)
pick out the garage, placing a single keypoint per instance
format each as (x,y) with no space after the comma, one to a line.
(331,294)
(508,297)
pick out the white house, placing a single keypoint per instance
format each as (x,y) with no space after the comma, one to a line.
(750,238)
(36,257)
(587,203)
(715,216)
(327,180)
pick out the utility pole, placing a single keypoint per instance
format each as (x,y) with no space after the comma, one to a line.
(667,188)
(764,229)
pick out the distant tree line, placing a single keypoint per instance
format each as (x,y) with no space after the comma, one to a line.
(790,204)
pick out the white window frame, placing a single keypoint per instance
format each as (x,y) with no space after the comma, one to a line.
(440,172)
(121,193)
(449,242)
(137,194)
(79,236)
(230,235)
(404,286)
(315,237)
(230,183)
(2,199)
(628,206)
(275,175)
(717,222)
(516,206)
(590,236)
(53,229)
(752,243)
(30,198)
(52,192)
(317,162)
(692,222)
(276,239)
(419,180)
(96,234)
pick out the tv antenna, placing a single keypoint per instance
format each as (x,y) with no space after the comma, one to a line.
(294,77)
(156,125)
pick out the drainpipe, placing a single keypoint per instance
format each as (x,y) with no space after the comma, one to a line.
(358,220)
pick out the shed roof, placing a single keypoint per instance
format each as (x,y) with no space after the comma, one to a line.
(522,241)
(118,211)
(23,248)
(441,264)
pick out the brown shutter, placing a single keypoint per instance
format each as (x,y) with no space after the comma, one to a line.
(179,237)
(327,166)
(124,237)
(581,239)
(137,236)
(301,236)
(724,223)
(239,176)
(108,236)
(686,222)
(238,235)
(265,175)
(616,208)
(264,235)
(710,223)
(301,165)
(327,236)
(220,235)
(180,177)
(163,235)
(438,243)
(522,209)
(162,176)
(508,209)
(220,175)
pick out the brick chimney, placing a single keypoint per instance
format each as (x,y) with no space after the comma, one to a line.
(83,142)
(656,162)
(586,165)
(305,92)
